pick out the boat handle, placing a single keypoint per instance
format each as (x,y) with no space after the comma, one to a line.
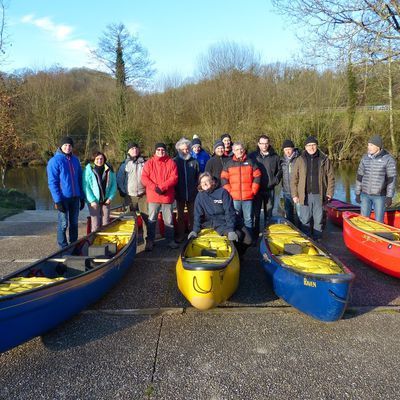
(197,287)
(336,297)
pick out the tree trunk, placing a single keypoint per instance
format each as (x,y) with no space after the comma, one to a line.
(390,95)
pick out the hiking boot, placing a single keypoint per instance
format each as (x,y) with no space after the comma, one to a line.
(173,245)
(149,245)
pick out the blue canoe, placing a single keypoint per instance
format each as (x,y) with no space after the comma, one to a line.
(79,275)
(323,296)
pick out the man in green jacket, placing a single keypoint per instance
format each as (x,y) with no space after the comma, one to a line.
(312,184)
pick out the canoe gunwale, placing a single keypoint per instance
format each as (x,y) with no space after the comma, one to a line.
(83,275)
(206,267)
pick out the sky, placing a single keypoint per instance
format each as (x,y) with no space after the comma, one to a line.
(44,33)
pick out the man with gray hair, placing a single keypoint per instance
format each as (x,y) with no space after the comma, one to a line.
(376,179)
(186,189)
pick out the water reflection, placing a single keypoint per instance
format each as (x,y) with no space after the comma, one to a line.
(33,182)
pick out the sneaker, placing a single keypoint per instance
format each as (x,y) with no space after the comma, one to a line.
(173,245)
(149,246)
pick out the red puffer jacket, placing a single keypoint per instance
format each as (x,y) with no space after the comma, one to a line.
(161,172)
(241,178)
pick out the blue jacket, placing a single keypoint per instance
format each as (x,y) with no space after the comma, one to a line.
(91,184)
(215,210)
(201,158)
(64,176)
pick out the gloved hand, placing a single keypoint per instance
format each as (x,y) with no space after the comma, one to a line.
(192,234)
(388,201)
(159,191)
(60,207)
(121,193)
(233,236)
(358,198)
(81,207)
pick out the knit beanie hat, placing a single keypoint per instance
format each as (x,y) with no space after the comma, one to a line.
(67,140)
(287,143)
(376,140)
(310,139)
(226,135)
(217,144)
(195,141)
(162,145)
(130,145)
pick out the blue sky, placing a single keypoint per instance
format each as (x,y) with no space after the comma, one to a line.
(175,32)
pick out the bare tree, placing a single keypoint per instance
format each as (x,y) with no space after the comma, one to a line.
(225,57)
(124,56)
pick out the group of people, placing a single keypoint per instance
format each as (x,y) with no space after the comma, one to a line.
(225,191)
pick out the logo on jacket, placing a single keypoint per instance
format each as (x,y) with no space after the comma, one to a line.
(218,201)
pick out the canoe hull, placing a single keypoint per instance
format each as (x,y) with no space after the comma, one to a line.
(375,251)
(25,316)
(323,297)
(336,208)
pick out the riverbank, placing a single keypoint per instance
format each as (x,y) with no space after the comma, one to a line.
(13,202)
(144,341)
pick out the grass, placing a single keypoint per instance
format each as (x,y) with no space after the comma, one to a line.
(7,212)
(13,202)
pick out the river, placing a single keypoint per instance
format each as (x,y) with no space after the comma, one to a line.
(33,182)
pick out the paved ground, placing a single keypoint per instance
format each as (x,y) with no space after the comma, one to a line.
(143,341)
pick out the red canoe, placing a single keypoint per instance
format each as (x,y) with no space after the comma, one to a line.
(379,248)
(336,208)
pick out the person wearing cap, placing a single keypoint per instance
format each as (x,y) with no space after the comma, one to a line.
(269,164)
(130,187)
(290,154)
(100,187)
(227,141)
(199,154)
(216,163)
(186,189)
(312,184)
(64,176)
(241,178)
(376,179)
(160,176)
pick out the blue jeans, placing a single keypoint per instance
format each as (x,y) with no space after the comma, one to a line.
(245,209)
(367,200)
(312,209)
(69,217)
(266,202)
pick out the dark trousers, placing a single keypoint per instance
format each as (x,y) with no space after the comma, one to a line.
(69,217)
(180,232)
(265,201)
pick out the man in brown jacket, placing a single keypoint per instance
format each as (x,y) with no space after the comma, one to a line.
(312,184)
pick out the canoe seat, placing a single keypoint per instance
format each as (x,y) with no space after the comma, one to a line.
(387,235)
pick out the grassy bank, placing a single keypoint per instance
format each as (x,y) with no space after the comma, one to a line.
(13,202)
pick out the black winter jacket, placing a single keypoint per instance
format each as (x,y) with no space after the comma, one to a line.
(188,174)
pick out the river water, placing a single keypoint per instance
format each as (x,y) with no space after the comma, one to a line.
(33,182)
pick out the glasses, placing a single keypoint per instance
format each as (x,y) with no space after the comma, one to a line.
(263,143)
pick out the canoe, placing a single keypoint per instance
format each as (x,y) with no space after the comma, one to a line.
(40,296)
(303,274)
(376,244)
(336,208)
(207,270)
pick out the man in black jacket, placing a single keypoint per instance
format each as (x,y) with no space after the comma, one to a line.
(216,163)
(269,163)
(186,188)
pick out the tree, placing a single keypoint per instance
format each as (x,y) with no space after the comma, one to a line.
(227,57)
(124,56)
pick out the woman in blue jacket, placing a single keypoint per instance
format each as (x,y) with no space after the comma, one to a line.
(99,186)
(213,208)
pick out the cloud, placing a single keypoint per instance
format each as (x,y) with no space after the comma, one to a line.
(60,32)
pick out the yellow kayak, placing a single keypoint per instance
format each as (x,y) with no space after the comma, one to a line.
(207,270)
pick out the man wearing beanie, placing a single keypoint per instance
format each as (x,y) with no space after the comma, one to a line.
(130,187)
(269,164)
(216,163)
(64,176)
(376,179)
(199,154)
(160,175)
(312,184)
(290,154)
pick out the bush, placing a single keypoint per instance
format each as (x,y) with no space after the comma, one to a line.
(12,199)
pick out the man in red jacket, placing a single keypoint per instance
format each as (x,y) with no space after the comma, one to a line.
(160,175)
(241,178)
